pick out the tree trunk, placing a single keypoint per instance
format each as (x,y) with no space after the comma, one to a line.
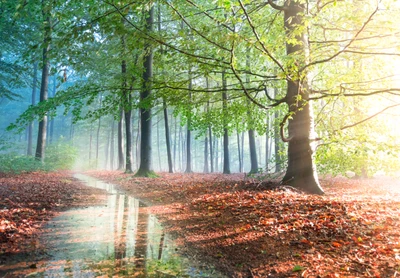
(210,132)
(167,137)
(30,127)
(239,154)
(176,140)
(41,141)
(226,166)
(253,152)
(112,145)
(158,143)
(301,171)
(98,143)
(206,170)
(121,159)
(267,151)
(52,119)
(277,143)
(216,143)
(145,168)
(188,131)
(128,130)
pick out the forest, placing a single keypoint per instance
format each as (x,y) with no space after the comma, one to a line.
(262,135)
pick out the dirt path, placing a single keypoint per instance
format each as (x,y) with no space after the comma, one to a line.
(249,228)
(28,201)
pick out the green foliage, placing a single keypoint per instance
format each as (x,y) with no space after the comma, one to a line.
(60,156)
(13,163)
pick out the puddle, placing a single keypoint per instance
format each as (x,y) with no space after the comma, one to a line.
(119,239)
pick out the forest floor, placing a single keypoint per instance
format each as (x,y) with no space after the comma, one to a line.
(251,228)
(243,226)
(29,200)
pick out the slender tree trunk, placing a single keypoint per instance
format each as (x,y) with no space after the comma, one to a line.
(277,139)
(253,152)
(176,140)
(301,171)
(107,151)
(216,144)
(127,109)
(90,144)
(188,131)
(51,121)
(30,127)
(158,143)
(120,142)
(138,135)
(267,151)
(180,148)
(239,154)
(206,170)
(167,137)
(226,166)
(145,168)
(128,130)
(42,133)
(112,145)
(98,143)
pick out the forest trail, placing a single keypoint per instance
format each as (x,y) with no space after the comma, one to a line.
(243,226)
(248,227)
(117,238)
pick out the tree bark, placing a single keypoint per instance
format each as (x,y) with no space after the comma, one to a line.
(145,168)
(301,171)
(42,133)
(167,137)
(210,132)
(120,142)
(188,131)
(239,153)
(253,152)
(112,145)
(30,127)
(226,163)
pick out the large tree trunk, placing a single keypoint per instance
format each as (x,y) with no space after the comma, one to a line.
(226,166)
(30,127)
(301,172)
(167,137)
(41,141)
(145,168)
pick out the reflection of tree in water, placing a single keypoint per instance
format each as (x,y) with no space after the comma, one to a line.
(120,237)
(141,240)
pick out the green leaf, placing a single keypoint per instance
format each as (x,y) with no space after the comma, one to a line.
(297,268)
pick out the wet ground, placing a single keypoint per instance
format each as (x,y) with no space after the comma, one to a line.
(118,239)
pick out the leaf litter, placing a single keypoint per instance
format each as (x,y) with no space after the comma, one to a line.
(242,226)
(251,228)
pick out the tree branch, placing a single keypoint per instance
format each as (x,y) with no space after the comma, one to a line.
(370,117)
(346,46)
(276,7)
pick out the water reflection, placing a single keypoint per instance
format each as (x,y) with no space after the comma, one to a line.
(119,239)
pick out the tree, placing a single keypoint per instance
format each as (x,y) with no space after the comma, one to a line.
(145,168)
(41,141)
